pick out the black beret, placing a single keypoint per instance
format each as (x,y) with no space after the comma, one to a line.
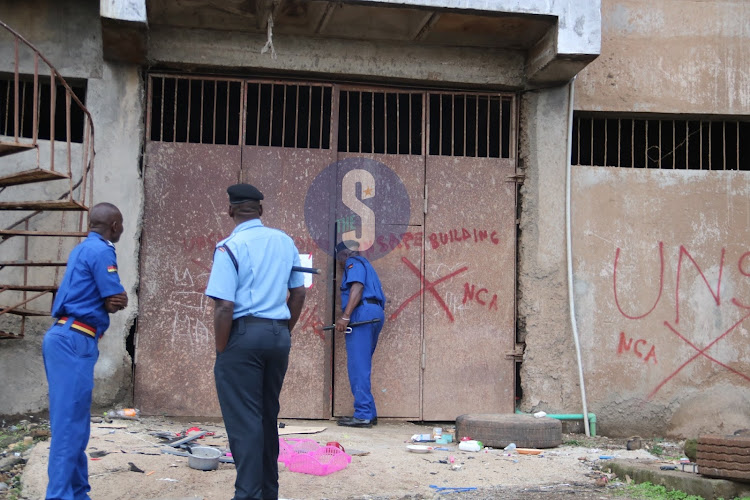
(347,245)
(240,193)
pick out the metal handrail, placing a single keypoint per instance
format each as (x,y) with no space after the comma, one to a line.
(70,96)
(17,140)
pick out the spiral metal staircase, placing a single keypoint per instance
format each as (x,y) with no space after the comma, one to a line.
(46,181)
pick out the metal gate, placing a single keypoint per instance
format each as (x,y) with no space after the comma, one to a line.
(446,260)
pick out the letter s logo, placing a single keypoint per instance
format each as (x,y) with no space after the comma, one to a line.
(349,198)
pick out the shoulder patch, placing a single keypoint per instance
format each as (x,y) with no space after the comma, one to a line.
(350,266)
(222,249)
(111,269)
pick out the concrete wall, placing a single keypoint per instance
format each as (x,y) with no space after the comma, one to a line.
(647,374)
(68,33)
(579,21)
(663,298)
(322,58)
(670,56)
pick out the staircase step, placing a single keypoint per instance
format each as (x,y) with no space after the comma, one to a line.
(7,335)
(29,288)
(32,263)
(19,232)
(24,312)
(8,148)
(29,176)
(43,205)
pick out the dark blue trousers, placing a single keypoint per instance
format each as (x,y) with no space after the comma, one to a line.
(360,346)
(69,359)
(249,375)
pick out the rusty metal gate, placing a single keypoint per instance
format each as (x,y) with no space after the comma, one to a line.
(443,238)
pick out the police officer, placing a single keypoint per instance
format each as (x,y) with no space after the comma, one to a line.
(362,299)
(89,291)
(249,281)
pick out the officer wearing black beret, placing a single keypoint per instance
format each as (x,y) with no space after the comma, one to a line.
(257,301)
(240,193)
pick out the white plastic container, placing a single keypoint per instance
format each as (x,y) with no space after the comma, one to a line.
(470,445)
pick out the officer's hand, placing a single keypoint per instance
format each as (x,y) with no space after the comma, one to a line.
(341,324)
(115,303)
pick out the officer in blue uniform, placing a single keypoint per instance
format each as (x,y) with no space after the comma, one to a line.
(89,291)
(362,299)
(250,281)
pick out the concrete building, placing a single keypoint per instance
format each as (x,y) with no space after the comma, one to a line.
(507,165)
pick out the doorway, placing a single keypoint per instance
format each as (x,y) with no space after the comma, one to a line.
(442,239)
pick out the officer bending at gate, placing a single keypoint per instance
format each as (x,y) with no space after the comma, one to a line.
(362,299)
(89,292)
(250,281)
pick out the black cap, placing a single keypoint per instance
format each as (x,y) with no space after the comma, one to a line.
(240,193)
(347,245)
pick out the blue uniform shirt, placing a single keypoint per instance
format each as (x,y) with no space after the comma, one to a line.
(359,270)
(265,257)
(90,277)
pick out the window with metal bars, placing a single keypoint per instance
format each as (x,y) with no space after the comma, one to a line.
(203,111)
(26,107)
(288,115)
(687,144)
(380,122)
(476,125)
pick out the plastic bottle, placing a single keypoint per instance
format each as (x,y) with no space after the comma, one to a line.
(124,413)
(511,447)
(470,445)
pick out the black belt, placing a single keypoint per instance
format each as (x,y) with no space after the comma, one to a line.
(371,301)
(254,319)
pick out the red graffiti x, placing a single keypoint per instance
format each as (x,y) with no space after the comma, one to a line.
(702,352)
(428,287)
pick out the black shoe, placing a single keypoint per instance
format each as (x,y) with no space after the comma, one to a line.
(355,422)
(373,421)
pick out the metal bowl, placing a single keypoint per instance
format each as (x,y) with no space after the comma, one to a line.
(204,458)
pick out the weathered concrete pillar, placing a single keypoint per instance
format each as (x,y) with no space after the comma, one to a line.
(117,106)
(549,382)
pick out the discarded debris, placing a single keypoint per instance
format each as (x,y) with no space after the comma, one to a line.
(452,489)
(135,468)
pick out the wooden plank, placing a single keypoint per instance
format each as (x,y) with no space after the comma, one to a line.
(63,234)
(10,148)
(29,176)
(25,312)
(29,263)
(9,336)
(29,288)
(43,205)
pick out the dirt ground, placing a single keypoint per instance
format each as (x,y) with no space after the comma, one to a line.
(381,468)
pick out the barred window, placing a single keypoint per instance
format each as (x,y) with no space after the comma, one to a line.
(477,125)
(380,122)
(27,108)
(203,111)
(688,144)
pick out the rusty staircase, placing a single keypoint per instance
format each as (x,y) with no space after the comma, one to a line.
(46,175)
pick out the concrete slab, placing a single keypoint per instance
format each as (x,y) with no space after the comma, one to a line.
(641,471)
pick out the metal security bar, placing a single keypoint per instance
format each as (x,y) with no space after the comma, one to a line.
(380,122)
(660,143)
(34,97)
(288,115)
(474,125)
(194,110)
